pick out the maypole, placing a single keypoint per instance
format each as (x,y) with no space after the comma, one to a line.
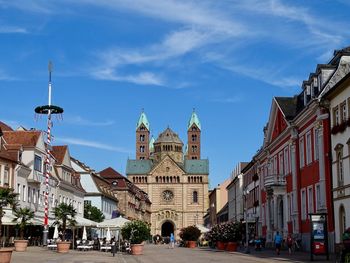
(48,110)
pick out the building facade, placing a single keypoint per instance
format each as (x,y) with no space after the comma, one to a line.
(176,182)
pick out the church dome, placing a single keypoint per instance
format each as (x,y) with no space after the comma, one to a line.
(168,136)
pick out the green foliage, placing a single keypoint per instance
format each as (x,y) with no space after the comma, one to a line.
(190,233)
(95,213)
(7,197)
(65,214)
(136,231)
(22,218)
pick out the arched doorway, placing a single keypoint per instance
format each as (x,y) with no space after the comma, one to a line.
(167,229)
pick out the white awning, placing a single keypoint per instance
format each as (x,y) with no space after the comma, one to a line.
(117,222)
(82,221)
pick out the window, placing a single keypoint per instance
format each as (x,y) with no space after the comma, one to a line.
(6,177)
(29,195)
(39,198)
(286,160)
(340,169)
(335,116)
(316,144)
(19,191)
(195,197)
(343,111)
(194,137)
(310,199)
(194,148)
(24,193)
(275,164)
(303,204)
(142,149)
(37,163)
(280,159)
(142,138)
(301,152)
(53,200)
(308,148)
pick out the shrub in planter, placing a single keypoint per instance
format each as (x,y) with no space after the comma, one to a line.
(190,235)
(22,218)
(136,231)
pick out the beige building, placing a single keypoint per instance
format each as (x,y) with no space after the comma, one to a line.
(176,183)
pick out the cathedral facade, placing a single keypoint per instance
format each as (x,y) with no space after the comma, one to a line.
(174,177)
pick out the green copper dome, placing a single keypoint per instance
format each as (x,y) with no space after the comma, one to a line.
(143,120)
(194,120)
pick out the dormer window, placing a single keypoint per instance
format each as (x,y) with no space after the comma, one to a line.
(37,163)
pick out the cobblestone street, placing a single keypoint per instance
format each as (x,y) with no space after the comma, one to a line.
(156,254)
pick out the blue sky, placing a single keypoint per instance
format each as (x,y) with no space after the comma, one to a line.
(111,58)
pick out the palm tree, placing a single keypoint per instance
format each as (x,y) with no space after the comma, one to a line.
(24,215)
(7,197)
(64,214)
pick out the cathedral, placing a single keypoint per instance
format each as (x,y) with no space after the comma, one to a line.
(174,177)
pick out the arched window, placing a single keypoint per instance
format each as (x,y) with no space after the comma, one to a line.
(195,197)
(194,137)
(340,169)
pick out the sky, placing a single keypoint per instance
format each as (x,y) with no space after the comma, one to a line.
(112,58)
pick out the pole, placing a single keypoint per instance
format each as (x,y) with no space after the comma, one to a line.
(47,165)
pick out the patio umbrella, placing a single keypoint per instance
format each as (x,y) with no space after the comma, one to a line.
(84,234)
(108,235)
(55,233)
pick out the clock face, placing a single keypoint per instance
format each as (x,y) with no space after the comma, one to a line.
(168,195)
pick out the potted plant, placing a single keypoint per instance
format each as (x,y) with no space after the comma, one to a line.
(190,235)
(64,215)
(22,218)
(7,197)
(233,235)
(137,232)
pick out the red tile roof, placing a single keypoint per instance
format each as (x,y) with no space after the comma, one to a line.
(24,138)
(5,127)
(59,152)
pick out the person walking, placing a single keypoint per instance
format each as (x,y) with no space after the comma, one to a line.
(172,241)
(278,242)
(289,243)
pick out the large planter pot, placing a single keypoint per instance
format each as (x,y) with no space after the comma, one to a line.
(136,249)
(191,244)
(5,254)
(21,245)
(220,245)
(63,246)
(231,246)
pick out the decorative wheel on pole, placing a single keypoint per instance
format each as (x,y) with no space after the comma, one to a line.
(48,110)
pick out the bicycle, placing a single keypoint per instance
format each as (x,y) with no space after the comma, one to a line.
(296,245)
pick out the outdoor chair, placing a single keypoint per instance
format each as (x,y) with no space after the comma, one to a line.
(105,247)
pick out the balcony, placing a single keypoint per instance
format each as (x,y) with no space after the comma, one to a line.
(272,180)
(36,178)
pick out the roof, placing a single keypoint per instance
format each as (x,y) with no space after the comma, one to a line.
(196,166)
(143,120)
(59,152)
(194,120)
(168,136)
(110,173)
(138,166)
(25,138)
(5,127)
(288,106)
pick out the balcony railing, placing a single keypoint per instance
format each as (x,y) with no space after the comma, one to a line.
(274,180)
(36,177)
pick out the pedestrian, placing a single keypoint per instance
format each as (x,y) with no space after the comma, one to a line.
(289,243)
(278,242)
(172,241)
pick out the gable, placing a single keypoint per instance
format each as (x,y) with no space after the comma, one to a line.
(66,159)
(40,144)
(279,124)
(167,166)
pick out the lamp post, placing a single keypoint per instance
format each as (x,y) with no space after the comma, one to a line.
(245,193)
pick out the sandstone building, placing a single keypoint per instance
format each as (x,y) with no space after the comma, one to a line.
(176,180)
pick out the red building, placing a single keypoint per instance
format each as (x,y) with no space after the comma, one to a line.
(294,164)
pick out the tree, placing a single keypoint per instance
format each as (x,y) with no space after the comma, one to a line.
(95,213)
(23,215)
(7,197)
(64,214)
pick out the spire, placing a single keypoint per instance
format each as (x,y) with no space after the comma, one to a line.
(143,120)
(194,120)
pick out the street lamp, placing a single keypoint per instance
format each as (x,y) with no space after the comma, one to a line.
(245,193)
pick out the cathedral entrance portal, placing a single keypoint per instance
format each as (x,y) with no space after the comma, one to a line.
(167,229)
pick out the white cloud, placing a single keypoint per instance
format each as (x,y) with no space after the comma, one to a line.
(92,144)
(234,99)
(12,30)
(78,120)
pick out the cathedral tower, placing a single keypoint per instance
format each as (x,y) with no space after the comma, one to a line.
(194,137)
(142,138)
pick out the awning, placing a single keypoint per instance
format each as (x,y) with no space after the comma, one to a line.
(82,221)
(117,222)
